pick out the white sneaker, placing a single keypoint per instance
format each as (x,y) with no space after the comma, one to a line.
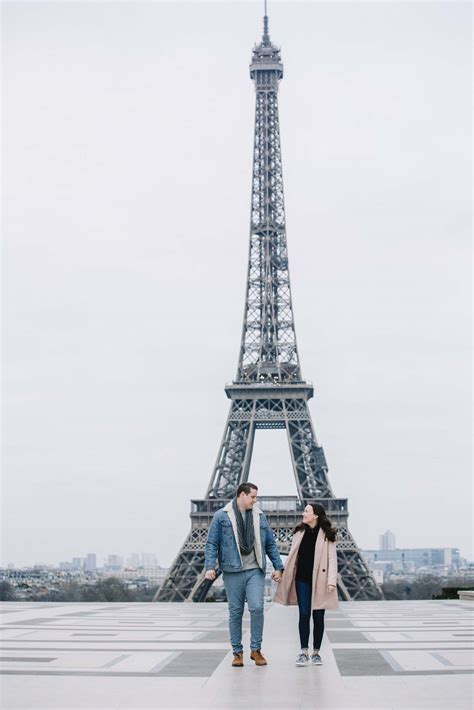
(302,660)
(316,659)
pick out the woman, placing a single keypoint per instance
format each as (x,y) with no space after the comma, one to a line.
(310,578)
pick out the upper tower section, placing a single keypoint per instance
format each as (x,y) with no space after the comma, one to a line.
(268,353)
(266,68)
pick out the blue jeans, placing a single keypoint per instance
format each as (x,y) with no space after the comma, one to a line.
(239,586)
(304,594)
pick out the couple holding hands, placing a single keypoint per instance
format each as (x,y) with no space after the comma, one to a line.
(240,538)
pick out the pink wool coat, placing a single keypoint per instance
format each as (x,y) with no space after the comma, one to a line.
(324,573)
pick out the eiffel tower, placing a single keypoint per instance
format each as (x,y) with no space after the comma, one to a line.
(269,391)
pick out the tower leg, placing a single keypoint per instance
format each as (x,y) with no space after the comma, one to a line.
(358,583)
(310,469)
(235,453)
(185,570)
(185,580)
(309,462)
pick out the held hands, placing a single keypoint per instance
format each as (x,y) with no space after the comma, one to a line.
(331,588)
(276,575)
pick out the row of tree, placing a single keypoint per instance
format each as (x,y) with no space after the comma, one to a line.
(426,587)
(112,589)
(109,589)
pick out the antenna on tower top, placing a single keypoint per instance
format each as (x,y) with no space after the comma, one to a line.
(266,36)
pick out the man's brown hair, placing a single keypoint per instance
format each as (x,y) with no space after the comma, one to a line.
(246,488)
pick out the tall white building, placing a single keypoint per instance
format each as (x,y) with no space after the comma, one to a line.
(133,561)
(114,562)
(387,541)
(149,559)
(90,563)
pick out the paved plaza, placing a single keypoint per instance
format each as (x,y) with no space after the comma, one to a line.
(126,656)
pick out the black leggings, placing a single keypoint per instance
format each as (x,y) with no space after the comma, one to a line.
(303,592)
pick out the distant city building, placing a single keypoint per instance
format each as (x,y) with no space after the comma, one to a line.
(77,563)
(412,559)
(378,574)
(387,541)
(133,561)
(149,559)
(65,566)
(155,574)
(114,562)
(90,563)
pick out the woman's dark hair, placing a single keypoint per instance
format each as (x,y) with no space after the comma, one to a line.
(323,522)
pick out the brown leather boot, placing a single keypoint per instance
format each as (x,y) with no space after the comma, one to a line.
(258,658)
(238,661)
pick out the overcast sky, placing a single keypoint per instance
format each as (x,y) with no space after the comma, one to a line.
(128,132)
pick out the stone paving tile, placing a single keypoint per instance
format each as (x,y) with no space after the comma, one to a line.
(216,637)
(362,662)
(120,640)
(194,663)
(177,656)
(420,636)
(26,659)
(29,622)
(338,636)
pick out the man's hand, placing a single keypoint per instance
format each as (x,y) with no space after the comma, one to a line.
(276,575)
(331,588)
(210,575)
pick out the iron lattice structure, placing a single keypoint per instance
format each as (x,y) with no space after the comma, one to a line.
(268,391)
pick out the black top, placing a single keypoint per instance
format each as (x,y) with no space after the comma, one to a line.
(305,562)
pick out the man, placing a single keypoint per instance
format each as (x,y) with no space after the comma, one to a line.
(240,538)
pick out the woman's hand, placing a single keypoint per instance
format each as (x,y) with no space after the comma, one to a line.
(331,588)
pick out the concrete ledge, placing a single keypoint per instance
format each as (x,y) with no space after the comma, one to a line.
(466,594)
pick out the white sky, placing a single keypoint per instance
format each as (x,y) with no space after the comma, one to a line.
(128,132)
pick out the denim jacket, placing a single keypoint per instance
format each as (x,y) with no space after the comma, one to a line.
(222,541)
